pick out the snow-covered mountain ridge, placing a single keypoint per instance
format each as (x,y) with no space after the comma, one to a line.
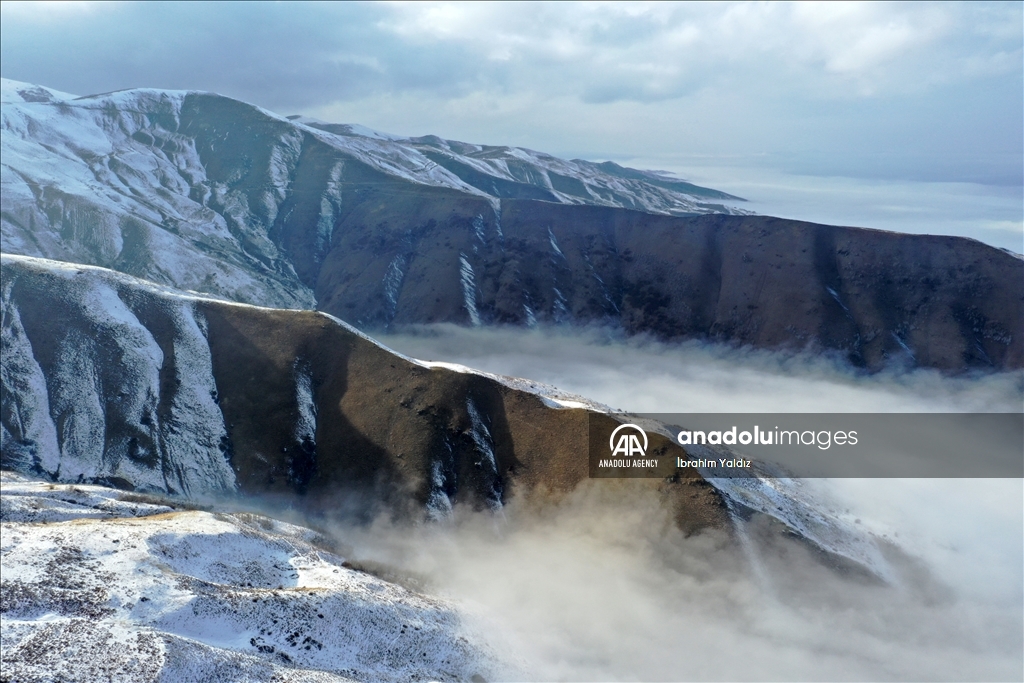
(109,379)
(131,179)
(492,171)
(201,192)
(518,173)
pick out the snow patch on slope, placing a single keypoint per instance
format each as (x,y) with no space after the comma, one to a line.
(197,436)
(393,283)
(28,434)
(484,443)
(135,592)
(468,281)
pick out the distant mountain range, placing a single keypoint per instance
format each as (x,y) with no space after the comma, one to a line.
(205,193)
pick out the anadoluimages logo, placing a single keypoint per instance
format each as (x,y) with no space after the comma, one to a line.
(628,442)
(618,450)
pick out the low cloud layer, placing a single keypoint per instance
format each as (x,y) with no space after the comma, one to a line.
(603,587)
(640,374)
(993,214)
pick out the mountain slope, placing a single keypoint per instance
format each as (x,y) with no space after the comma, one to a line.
(518,173)
(209,194)
(111,380)
(100,585)
(114,381)
(217,195)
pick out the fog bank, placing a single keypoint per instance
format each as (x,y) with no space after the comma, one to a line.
(604,587)
(640,374)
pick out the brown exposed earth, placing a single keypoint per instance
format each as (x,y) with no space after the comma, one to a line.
(388,435)
(384,424)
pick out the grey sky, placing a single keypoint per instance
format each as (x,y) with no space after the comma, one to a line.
(918,92)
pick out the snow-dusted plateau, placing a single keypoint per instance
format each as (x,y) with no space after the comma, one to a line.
(104,585)
(186,288)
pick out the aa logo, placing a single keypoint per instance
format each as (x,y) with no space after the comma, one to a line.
(625,440)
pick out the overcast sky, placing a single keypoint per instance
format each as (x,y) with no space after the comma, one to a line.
(904,92)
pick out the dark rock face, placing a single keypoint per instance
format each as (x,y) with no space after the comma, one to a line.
(205,193)
(109,379)
(875,297)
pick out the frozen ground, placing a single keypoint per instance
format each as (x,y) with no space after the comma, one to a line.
(104,585)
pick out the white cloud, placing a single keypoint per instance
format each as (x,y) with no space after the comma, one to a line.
(602,587)
(647,51)
(641,374)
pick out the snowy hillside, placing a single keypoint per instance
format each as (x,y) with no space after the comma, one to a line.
(84,181)
(110,379)
(518,173)
(107,379)
(195,190)
(103,585)
(163,430)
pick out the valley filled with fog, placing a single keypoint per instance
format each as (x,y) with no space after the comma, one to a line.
(640,374)
(603,587)
(317,319)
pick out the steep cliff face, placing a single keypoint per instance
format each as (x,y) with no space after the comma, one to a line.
(206,193)
(108,379)
(876,297)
